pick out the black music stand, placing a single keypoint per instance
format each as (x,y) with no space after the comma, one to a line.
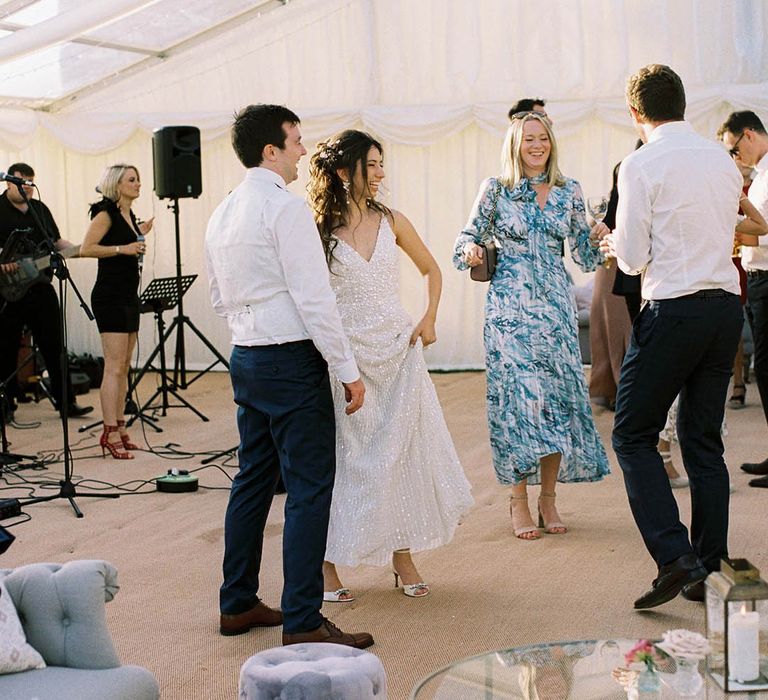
(162,294)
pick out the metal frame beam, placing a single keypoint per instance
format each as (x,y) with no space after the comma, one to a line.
(150,59)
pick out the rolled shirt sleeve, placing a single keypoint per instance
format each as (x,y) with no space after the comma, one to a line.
(632,235)
(302,260)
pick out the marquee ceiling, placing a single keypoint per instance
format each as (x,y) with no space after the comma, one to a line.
(53,51)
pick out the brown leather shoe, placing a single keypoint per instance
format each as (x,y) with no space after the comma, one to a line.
(330,634)
(259,615)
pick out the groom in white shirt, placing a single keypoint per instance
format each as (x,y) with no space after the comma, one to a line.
(678,202)
(268,277)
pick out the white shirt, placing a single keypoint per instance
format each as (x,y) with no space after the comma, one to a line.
(678,203)
(755,257)
(267,272)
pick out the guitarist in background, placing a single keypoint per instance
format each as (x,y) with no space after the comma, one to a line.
(39,307)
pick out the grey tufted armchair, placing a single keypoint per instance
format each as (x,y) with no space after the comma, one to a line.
(61,607)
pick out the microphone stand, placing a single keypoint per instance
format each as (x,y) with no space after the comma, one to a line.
(66,487)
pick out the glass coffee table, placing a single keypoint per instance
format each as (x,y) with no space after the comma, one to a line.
(580,670)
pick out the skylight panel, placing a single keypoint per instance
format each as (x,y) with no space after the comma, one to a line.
(57,71)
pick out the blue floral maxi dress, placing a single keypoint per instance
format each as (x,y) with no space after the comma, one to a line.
(536,389)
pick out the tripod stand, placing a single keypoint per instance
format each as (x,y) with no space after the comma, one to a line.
(160,295)
(178,324)
(66,487)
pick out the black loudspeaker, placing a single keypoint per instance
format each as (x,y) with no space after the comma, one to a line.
(176,161)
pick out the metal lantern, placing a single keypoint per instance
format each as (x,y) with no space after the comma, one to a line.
(737,627)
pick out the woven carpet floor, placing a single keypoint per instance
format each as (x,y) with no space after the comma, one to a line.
(489,589)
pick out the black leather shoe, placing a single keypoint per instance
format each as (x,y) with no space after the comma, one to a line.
(757,468)
(75,411)
(761,483)
(695,592)
(672,578)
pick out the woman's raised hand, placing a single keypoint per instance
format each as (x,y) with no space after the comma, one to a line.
(146,226)
(473,254)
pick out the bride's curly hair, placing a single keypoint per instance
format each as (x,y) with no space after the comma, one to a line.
(329,200)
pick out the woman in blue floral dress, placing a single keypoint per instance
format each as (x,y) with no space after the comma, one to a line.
(539,416)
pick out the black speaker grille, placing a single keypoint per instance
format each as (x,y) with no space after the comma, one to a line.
(176,162)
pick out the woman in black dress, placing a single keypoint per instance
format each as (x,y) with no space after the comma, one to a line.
(117,240)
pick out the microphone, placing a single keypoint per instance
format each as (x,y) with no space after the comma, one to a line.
(16,180)
(141,238)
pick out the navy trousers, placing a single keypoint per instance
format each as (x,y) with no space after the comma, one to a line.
(686,346)
(286,421)
(757,315)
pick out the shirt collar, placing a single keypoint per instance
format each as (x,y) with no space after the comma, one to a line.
(676,127)
(762,164)
(264,175)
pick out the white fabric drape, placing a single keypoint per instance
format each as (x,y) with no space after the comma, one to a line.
(433,80)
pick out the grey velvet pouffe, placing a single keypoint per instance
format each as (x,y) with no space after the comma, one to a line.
(313,672)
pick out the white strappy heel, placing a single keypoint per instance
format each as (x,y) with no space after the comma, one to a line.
(412,590)
(335,596)
(679,482)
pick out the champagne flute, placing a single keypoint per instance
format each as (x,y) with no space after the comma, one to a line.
(598,208)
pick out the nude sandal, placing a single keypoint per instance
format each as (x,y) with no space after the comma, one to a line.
(554,527)
(520,532)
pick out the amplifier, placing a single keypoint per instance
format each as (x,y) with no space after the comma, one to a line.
(9,508)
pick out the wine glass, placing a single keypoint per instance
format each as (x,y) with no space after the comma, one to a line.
(598,208)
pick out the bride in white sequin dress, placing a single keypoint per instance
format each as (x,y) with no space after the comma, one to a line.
(399,484)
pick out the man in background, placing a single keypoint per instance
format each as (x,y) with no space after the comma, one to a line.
(38,308)
(678,197)
(745,138)
(528,104)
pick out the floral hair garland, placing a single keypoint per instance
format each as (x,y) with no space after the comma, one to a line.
(329,154)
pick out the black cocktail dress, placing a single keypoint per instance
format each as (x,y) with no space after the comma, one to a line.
(114,298)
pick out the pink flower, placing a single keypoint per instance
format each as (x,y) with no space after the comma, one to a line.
(644,652)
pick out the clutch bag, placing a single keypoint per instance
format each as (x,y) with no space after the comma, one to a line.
(484,271)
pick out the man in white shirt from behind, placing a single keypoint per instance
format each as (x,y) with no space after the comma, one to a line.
(268,277)
(678,200)
(747,141)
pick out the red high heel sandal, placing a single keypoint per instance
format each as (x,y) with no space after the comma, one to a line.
(127,444)
(115,448)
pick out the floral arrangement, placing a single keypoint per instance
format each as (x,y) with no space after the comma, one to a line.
(684,644)
(645,652)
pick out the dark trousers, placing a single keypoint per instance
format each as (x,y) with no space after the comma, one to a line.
(286,421)
(757,315)
(39,309)
(684,346)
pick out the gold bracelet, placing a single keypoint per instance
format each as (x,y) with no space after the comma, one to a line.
(117,250)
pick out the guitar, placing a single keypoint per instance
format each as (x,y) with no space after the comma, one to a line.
(14,285)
